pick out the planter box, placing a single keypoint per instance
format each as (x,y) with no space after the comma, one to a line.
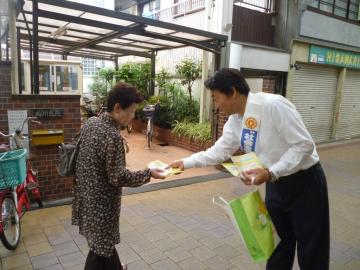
(165,135)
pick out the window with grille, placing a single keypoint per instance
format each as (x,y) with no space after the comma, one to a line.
(259,5)
(348,9)
(91,66)
(184,7)
(151,9)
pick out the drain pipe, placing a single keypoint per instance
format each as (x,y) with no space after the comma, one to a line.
(13,45)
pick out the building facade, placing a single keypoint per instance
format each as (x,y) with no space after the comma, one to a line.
(324,71)
(307,51)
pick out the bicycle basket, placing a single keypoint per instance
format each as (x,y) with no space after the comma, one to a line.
(12,168)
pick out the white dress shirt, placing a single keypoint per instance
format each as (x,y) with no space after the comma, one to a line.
(284,145)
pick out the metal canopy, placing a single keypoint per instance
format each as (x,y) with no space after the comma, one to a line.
(70,28)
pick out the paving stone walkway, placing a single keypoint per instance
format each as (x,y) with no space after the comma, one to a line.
(179,228)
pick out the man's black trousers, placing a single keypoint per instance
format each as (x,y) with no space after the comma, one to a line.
(299,207)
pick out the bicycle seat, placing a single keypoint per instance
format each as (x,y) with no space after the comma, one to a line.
(149,107)
(149,111)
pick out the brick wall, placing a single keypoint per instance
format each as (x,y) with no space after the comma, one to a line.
(222,118)
(43,158)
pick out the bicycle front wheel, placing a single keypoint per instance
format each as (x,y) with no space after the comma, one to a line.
(149,140)
(129,127)
(10,236)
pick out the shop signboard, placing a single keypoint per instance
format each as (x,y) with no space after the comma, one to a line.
(334,57)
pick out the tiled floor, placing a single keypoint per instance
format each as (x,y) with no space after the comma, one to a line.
(139,155)
(179,228)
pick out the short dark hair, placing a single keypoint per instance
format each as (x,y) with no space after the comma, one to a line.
(124,94)
(225,79)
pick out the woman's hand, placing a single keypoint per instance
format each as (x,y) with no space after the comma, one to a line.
(157,173)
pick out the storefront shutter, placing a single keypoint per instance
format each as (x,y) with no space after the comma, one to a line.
(314,94)
(349,117)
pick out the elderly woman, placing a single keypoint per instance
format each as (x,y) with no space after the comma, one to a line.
(100,176)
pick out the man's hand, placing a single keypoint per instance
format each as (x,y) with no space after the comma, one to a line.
(259,175)
(157,174)
(176,164)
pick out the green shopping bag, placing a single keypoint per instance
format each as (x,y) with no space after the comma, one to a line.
(249,215)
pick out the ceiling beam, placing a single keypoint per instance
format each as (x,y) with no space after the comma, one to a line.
(100,57)
(95,47)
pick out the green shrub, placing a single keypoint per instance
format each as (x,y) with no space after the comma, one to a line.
(108,75)
(98,86)
(199,132)
(136,74)
(182,107)
(189,71)
(174,108)
(161,80)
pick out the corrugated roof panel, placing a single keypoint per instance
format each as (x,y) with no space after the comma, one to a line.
(189,36)
(71,39)
(148,45)
(158,30)
(67,11)
(137,37)
(121,40)
(81,34)
(132,48)
(166,42)
(95,30)
(53,22)
(100,18)
(85,25)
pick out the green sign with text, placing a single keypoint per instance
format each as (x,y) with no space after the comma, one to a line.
(327,56)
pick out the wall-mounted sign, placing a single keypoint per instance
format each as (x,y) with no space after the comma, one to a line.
(334,57)
(16,119)
(48,113)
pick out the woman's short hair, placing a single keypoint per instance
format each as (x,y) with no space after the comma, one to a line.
(227,79)
(124,94)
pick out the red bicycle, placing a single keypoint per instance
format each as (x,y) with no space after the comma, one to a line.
(16,178)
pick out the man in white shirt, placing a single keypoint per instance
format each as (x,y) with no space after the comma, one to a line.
(296,189)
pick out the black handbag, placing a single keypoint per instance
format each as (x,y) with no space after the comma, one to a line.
(68,156)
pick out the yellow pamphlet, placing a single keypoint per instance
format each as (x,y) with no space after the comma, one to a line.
(244,162)
(157,164)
